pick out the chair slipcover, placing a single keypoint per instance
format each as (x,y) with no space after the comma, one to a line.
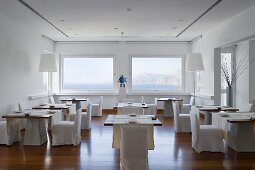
(129,109)
(86,117)
(126,100)
(133,150)
(181,121)
(187,106)
(67,132)
(3,132)
(51,100)
(245,107)
(205,137)
(97,108)
(152,108)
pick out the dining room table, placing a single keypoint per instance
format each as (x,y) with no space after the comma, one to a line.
(76,101)
(36,125)
(132,120)
(121,106)
(168,106)
(238,129)
(209,110)
(67,108)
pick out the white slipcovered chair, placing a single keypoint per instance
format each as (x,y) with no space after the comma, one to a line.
(3,132)
(97,107)
(205,137)
(127,100)
(181,121)
(187,106)
(51,100)
(129,109)
(67,132)
(245,107)
(152,108)
(134,148)
(85,117)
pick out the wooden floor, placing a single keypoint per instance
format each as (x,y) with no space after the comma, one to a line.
(172,151)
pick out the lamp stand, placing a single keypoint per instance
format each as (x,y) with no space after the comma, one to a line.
(194,88)
(49,86)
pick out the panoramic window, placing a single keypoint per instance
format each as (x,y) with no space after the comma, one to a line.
(88,74)
(157,74)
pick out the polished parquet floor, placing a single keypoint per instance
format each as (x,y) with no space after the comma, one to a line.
(172,151)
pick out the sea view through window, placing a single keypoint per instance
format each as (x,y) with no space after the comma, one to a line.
(88,74)
(157,74)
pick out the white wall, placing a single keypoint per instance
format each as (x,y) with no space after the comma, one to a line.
(252,73)
(239,27)
(122,51)
(242,83)
(20,49)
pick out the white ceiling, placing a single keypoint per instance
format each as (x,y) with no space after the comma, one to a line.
(85,20)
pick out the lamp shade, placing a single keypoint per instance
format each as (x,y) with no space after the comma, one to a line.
(194,62)
(48,63)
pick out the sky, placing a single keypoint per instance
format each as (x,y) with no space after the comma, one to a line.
(156,65)
(83,70)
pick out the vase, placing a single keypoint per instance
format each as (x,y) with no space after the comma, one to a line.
(122,94)
(229,96)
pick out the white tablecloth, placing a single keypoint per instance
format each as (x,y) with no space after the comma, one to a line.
(140,120)
(13,124)
(121,106)
(221,120)
(239,134)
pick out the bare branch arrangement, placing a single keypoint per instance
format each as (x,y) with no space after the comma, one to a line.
(237,70)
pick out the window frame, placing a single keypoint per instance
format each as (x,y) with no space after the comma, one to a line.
(61,80)
(183,58)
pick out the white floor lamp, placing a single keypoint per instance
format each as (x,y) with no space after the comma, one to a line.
(194,63)
(48,64)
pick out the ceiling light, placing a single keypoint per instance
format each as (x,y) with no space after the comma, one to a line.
(116,28)
(129,9)
(180,20)
(61,20)
(174,28)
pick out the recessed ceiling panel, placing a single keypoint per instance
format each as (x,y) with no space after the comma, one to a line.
(123,19)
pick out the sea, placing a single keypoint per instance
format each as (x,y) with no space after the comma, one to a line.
(110,87)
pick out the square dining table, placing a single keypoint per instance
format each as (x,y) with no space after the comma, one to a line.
(36,125)
(132,120)
(168,106)
(67,108)
(238,129)
(76,101)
